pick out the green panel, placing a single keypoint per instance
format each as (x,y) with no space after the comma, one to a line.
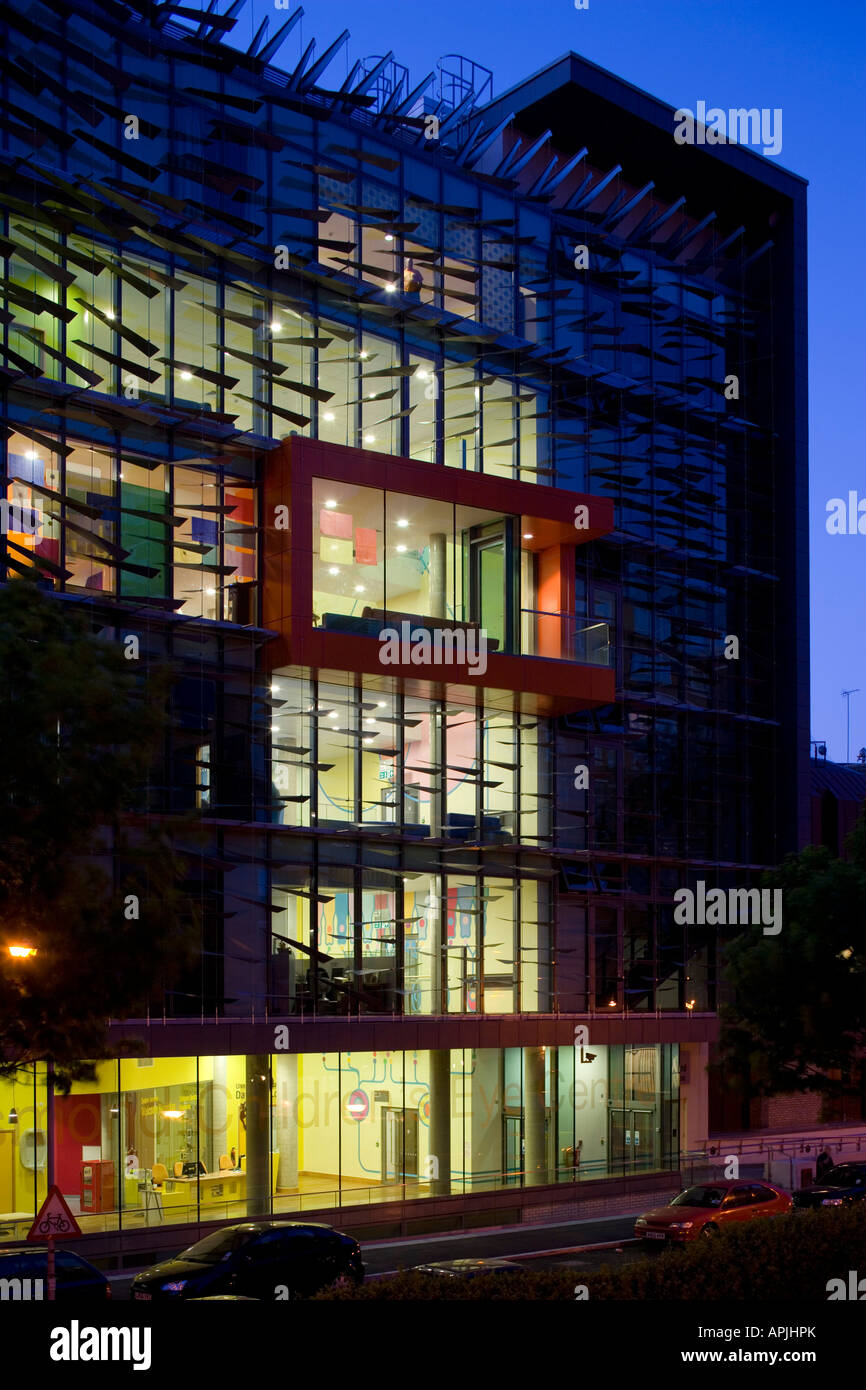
(145,540)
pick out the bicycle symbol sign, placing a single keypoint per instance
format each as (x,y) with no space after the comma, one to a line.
(54,1219)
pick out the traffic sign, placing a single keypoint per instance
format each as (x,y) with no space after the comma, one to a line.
(54,1219)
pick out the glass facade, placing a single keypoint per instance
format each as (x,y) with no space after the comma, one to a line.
(268,259)
(158,1140)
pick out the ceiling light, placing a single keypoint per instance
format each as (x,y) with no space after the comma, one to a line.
(275,689)
(425,376)
(388,236)
(368,738)
(109,313)
(402,521)
(363,356)
(359,588)
(186,376)
(333,570)
(210,591)
(369,439)
(329,416)
(390,289)
(401,549)
(276,326)
(333,714)
(380,704)
(372,396)
(528,536)
(330,502)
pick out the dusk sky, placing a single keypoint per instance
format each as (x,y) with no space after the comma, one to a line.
(804,57)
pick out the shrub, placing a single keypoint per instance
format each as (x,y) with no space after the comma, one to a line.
(788,1259)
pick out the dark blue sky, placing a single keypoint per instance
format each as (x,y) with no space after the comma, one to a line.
(803,56)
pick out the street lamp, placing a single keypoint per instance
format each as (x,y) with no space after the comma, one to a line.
(22,950)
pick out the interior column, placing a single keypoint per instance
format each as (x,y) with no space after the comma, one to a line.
(535,1148)
(257,1138)
(440,1122)
(286,1120)
(438,587)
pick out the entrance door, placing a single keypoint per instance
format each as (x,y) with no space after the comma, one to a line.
(512,1147)
(399,1144)
(632,1140)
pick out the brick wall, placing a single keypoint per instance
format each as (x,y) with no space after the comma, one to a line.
(794,1112)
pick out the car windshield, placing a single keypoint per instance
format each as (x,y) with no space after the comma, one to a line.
(700,1197)
(212,1249)
(845,1175)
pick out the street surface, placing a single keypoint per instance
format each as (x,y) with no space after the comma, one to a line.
(545,1246)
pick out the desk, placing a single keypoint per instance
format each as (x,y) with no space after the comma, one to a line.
(208,1190)
(8,1219)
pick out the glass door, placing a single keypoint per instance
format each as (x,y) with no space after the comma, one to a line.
(632,1140)
(512,1148)
(492,578)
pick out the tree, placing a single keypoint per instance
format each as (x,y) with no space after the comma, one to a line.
(85,878)
(797,1020)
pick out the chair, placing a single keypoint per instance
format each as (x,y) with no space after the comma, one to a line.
(152,1192)
(225,1163)
(178,1169)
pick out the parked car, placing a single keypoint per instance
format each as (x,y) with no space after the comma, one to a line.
(258,1259)
(468,1269)
(845,1182)
(22,1267)
(702,1211)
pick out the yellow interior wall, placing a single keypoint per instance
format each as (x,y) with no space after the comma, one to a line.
(17,1181)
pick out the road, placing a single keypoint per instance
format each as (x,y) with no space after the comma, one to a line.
(540,1247)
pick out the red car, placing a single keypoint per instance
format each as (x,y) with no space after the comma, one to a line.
(703,1210)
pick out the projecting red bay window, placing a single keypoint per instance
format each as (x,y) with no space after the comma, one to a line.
(442,583)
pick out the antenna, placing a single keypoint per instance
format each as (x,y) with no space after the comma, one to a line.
(846,695)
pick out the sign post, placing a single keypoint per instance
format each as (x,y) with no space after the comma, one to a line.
(53,1219)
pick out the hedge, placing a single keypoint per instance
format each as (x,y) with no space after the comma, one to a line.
(789,1258)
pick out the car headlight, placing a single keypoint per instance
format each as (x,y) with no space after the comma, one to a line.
(832,1201)
(641,1221)
(176,1286)
(681,1225)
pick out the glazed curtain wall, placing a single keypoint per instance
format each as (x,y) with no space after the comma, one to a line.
(352,940)
(151,1141)
(349,754)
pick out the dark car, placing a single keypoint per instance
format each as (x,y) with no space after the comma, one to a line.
(845,1182)
(702,1211)
(24,1276)
(259,1259)
(468,1269)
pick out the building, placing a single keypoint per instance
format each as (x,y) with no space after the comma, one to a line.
(445,457)
(837,796)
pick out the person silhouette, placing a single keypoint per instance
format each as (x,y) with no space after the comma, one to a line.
(823,1165)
